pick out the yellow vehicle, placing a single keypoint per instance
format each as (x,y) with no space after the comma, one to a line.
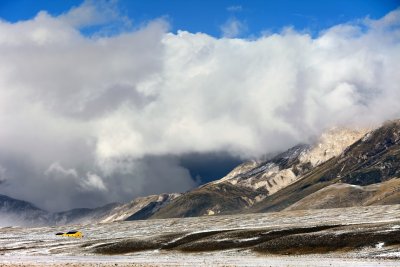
(75,234)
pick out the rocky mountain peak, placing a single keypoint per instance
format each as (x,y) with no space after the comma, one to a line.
(331,144)
(287,167)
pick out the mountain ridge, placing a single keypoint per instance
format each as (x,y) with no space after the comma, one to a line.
(358,164)
(342,163)
(254,181)
(15,212)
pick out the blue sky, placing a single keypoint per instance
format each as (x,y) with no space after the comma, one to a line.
(208,16)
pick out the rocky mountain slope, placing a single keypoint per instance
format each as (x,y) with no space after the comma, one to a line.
(19,212)
(210,200)
(253,181)
(342,195)
(82,215)
(373,159)
(15,212)
(138,209)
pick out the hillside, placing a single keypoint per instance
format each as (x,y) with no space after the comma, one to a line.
(373,159)
(19,212)
(14,212)
(209,200)
(253,181)
(138,209)
(342,195)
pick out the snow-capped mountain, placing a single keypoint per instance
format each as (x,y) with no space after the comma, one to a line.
(288,166)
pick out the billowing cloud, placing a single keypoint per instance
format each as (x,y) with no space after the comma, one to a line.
(87,120)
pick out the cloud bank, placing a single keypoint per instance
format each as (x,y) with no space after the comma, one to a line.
(87,120)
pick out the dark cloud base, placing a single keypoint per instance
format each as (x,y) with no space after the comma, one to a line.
(207,167)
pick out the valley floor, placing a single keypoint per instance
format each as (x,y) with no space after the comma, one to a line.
(358,236)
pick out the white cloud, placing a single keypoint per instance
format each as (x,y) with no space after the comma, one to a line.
(93,182)
(113,111)
(89,182)
(233,28)
(58,170)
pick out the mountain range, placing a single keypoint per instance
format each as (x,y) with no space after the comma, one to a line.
(345,167)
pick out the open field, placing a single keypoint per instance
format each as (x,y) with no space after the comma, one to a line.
(363,236)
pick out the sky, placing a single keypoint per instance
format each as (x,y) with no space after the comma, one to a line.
(218,18)
(104,101)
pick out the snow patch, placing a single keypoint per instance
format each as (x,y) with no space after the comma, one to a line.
(380,245)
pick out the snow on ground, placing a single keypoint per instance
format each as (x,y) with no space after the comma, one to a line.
(29,246)
(198,260)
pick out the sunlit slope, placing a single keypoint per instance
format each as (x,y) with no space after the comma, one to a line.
(253,181)
(347,195)
(373,159)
